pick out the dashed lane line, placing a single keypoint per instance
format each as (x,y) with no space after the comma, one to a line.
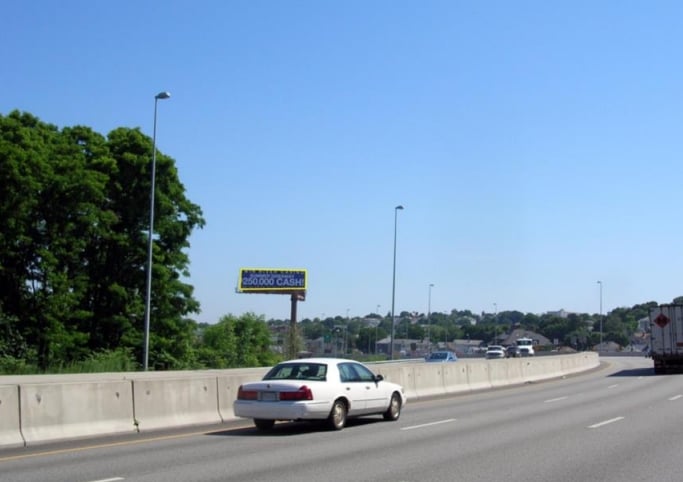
(431,424)
(606,422)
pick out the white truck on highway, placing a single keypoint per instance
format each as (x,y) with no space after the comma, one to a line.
(525,346)
(666,338)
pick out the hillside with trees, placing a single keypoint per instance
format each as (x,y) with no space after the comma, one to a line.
(580,331)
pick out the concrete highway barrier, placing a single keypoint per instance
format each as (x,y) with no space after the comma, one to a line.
(499,373)
(402,374)
(45,408)
(455,378)
(514,373)
(429,379)
(478,376)
(57,411)
(175,402)
(541,368)
(10,425)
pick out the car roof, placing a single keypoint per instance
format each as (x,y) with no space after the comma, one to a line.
(326,361)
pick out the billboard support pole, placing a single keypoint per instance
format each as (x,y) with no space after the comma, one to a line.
(292,348)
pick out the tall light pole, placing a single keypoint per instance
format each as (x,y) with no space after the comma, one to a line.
(148,296)
(393,284)
(429,301)
(346,332)
(495,319)
(377,326)
(600,346)
(429,311)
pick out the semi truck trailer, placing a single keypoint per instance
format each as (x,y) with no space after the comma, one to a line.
(666,338)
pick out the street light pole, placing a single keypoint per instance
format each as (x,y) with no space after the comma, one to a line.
(346,333)
(495,319)
(429,311)
(376,326)
(393,284)
(148,296)
(600,346)
(429,301)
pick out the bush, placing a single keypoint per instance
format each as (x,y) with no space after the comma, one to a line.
(120,360)
(14,366)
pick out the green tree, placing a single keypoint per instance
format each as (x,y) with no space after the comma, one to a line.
(234,342)
(75,209)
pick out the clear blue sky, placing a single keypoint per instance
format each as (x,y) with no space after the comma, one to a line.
(535,145)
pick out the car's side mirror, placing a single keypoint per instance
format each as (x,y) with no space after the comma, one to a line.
(379,378)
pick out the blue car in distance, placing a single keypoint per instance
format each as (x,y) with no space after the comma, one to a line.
(441,356)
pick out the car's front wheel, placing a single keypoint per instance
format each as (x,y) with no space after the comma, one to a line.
(262,424)
(337,418)
(394,410)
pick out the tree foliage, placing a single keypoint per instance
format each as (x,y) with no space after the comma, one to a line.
(236,342)
(75,210)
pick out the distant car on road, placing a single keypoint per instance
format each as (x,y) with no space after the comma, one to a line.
(495,351)
(513,351)
(441,356)
(325,389)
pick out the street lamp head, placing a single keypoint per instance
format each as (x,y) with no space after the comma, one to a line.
(162,95)
(399,207)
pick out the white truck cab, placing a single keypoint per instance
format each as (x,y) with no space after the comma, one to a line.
(526,346)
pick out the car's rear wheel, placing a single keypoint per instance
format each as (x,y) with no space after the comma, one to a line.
(263,424)
(337,418)
(394,410)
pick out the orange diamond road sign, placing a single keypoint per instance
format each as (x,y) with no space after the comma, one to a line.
(662,320)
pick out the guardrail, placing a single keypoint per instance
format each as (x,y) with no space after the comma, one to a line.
(42,408)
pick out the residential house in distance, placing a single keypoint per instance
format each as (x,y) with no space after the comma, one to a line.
(538,339)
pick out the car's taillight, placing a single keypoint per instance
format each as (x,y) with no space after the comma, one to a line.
(243,394)
(303,393)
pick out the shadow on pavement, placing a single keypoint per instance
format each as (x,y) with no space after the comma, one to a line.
(288,429)
(635,372)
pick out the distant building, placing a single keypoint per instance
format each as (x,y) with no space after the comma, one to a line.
(468,347)
(537,338)
(560,314)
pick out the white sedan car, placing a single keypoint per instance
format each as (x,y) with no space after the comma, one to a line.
(328,389)
(495,351)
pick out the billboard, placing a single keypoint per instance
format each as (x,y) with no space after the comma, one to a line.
(265,280)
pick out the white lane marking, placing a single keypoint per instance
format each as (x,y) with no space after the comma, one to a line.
(113,479)
(611,420)
(613,386)
(555,399)
(676,397)
(431,424)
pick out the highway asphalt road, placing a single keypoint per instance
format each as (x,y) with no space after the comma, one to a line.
(617,423)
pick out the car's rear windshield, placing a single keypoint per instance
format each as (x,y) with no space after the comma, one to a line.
(297,371)
(438,356)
